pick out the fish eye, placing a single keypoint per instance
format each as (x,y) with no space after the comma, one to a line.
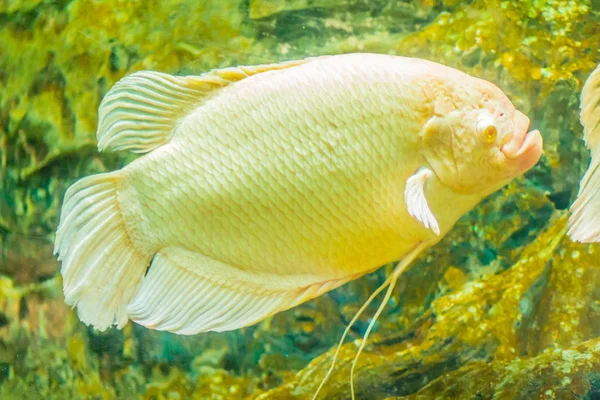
(489,134)
(487,129)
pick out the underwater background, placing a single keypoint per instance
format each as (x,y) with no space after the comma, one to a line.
(506,306)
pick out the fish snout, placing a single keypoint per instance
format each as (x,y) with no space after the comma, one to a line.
(530,151)
(524,148)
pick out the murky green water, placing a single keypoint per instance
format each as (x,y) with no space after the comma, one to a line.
(505,306)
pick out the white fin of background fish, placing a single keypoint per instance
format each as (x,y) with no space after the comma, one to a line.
(584,223)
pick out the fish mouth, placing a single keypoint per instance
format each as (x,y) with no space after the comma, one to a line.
(524,148)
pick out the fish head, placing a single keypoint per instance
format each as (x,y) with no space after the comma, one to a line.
(476,141)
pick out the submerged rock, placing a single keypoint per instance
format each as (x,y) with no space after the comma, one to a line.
(559,374)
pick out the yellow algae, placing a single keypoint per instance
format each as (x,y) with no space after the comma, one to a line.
(218,385)
(568,311)
(532,41)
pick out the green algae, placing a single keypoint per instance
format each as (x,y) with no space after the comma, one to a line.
(504,295)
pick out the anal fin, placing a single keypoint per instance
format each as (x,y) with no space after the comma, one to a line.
(186,293)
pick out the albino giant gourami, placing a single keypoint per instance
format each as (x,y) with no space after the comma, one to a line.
(265,186)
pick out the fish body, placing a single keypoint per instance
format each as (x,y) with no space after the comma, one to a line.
(284,173)
(266,186)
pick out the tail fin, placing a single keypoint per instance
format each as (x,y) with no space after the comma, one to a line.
(101,268)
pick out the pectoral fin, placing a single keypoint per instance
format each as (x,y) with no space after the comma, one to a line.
(414,195)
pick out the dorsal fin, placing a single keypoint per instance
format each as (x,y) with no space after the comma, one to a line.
(140,112)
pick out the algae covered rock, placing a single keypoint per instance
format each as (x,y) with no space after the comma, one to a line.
(560,374)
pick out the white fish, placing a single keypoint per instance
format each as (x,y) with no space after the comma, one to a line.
(266,186)
(584,223)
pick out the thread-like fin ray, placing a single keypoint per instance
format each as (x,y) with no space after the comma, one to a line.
(389,283)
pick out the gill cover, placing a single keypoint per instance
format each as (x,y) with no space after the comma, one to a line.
(438,146)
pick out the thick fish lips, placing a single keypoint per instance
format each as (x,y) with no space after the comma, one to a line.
(524,149)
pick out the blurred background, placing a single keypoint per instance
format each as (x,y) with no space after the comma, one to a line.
(505,305)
